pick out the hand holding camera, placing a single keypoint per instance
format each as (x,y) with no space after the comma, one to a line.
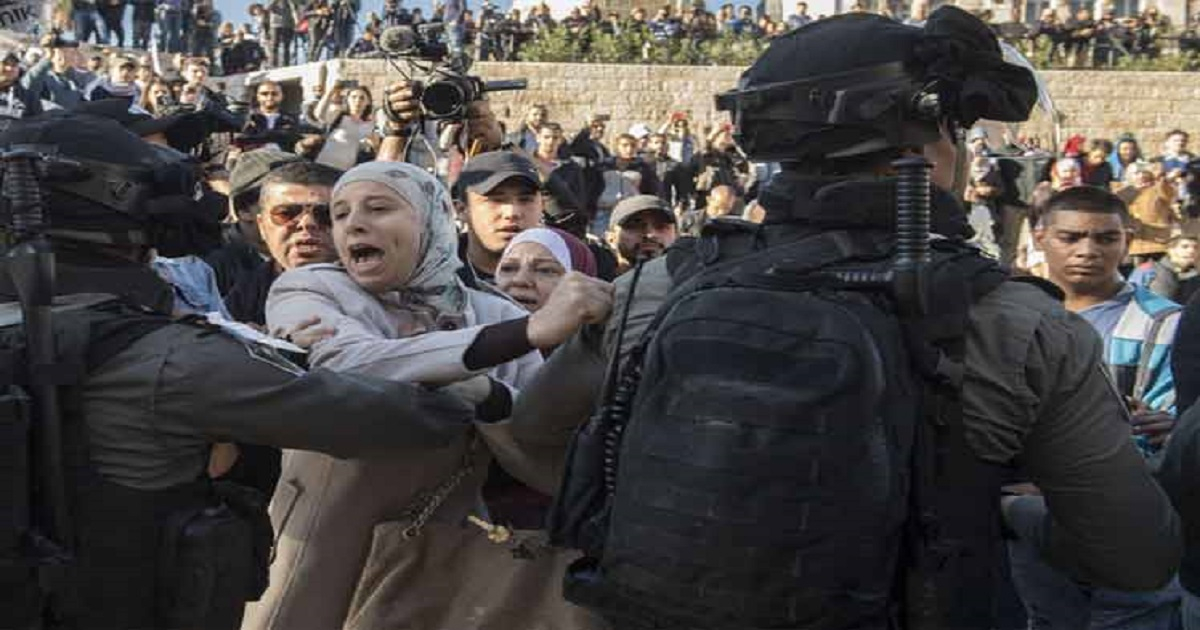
(402,103)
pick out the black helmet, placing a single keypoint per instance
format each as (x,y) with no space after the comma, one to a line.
(858,83)
(118,189)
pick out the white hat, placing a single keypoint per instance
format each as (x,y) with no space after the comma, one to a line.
(640,130)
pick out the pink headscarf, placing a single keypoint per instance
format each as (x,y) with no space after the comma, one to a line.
(570,252)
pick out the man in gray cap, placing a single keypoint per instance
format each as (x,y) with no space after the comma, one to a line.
(642,227)
(282,205)
(498,195)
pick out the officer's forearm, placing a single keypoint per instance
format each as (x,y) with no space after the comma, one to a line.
(225,393)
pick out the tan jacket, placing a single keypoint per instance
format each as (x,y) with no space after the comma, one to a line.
(1153,215)
(1035,392)
(337,521)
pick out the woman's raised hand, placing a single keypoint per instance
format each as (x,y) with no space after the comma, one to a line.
(577,300)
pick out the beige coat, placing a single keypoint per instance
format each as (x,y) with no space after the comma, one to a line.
(337,521)
(1153,215)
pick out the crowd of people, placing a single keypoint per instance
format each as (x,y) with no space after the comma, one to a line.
(279,33)
(461,314)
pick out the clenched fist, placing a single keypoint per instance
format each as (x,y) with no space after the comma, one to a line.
(577,300)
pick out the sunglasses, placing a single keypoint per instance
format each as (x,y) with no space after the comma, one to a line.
(288,214)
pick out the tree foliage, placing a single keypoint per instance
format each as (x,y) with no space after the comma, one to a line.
(638,47)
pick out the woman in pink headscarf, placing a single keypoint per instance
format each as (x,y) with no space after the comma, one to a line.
(536,259)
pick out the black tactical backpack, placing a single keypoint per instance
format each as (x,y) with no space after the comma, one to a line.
(771,456)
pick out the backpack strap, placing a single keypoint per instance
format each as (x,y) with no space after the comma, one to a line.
(954,515)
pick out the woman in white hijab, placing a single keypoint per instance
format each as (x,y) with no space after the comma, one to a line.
(404,541)
(536,260)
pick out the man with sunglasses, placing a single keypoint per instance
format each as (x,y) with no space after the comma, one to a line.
(286,210)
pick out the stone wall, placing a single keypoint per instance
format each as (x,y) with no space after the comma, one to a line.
(1094,104)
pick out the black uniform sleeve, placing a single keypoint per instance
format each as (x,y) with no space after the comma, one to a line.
(1185,356)
(1105,520)
(218,387)
(1178,474)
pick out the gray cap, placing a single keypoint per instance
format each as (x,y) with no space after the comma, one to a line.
(630,206)
(485,171)
(253,166)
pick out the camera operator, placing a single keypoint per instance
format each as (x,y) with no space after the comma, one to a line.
(155,395)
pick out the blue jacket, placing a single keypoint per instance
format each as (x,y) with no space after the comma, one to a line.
(1141,364)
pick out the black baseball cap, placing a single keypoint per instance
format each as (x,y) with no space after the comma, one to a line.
(637,204)
(484,172)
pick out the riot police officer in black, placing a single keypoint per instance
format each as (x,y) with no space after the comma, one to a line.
(739,475)
(154,542)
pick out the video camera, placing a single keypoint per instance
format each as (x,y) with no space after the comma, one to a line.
(452,89)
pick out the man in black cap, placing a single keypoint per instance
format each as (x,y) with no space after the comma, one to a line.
(498,196)
(147,398)
(642,228)
(745,473)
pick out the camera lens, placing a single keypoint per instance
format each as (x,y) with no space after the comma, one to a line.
(443,99)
